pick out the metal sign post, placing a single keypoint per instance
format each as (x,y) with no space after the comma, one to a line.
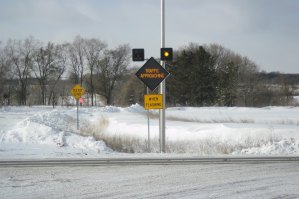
(77,114)
(148,126)
(162,85)
(77,91)
(152,101)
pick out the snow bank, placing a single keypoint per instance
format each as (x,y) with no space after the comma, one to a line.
(110,109)
(135,108)
(282,147)
(56,128)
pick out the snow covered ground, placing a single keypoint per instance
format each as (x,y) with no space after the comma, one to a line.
(43,132)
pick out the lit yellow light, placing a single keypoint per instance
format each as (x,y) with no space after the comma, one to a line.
(166,54)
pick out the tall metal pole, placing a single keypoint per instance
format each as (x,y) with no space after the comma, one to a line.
(162,85)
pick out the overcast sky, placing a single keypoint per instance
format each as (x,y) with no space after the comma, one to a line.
(266,31)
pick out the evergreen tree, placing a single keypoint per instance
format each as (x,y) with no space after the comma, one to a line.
(194,80)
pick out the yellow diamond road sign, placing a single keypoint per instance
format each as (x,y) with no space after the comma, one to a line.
(153,101)
(77,91)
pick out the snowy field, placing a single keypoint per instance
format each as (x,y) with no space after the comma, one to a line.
(44,132)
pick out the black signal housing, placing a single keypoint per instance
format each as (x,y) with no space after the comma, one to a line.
(138,54)
(166,54)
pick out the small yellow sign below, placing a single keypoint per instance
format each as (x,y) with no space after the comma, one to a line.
(153,101)
(77,91)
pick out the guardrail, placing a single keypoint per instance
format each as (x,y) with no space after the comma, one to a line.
(147,161)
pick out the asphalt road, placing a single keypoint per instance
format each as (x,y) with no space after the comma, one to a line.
(229,177)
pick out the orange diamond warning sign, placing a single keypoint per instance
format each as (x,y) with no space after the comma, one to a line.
(152,74)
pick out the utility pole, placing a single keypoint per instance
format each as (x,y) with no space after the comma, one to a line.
(162,85)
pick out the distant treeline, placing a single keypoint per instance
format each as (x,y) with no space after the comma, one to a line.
(276,77)
(33,73)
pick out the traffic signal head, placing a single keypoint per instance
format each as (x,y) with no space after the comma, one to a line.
(138,54)
(166,54)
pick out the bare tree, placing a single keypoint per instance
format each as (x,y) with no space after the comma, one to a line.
(48,66)
(3,71)
(237,77)
(21,57)
(131,90)
(6,76)
(111,69)
(93,50)
(76,58)
(58,69)
(247,76)
(44,59)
